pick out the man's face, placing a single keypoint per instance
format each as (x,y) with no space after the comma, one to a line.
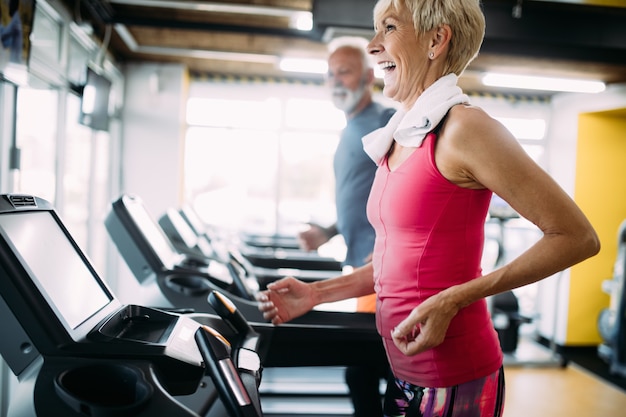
(346,78)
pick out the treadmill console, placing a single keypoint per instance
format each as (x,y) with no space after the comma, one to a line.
(99,355)
(152,256)
(55,294)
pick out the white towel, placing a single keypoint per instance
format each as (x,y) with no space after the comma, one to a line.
(409,128)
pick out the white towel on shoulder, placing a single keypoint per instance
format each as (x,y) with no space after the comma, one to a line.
(409,128)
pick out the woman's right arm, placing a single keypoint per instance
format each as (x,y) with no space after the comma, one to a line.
(288,298)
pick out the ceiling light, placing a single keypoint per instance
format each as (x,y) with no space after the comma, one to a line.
(312,66)
(301,21)
(528,82)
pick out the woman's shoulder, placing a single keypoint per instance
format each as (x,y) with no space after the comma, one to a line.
(468,113)
(467,121)
(468,136)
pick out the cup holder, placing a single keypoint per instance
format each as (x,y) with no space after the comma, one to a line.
(188,284)
(104,390)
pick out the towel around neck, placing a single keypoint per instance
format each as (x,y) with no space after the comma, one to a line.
(409,128)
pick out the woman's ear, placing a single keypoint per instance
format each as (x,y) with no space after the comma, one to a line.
(440,40)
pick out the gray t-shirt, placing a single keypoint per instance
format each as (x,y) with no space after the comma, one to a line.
(354,174)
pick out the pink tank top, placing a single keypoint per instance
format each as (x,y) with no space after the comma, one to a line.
(430,236)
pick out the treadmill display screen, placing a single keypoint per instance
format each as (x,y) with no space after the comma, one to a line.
(153,233)
(58,270)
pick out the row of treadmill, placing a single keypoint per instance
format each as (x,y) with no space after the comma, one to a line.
(194,342)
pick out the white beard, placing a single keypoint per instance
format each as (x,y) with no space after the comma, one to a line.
(346,100)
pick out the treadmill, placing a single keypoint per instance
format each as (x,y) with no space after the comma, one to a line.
(318,338)
(280,257)
(185,240)
(265,251)
(78,351)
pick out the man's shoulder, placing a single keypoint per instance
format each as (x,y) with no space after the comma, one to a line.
(380,109)
(372,117)
(386,114)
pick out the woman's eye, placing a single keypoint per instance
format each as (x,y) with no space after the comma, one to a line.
(389,28)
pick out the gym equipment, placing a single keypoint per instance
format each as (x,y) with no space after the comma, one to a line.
(186,240)
(264,252)
(271,241)
(148,252)
(278,257)
(612,320)
(319,338)
(507,320)
(78,351)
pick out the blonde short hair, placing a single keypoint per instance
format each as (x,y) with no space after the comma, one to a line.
(465,18)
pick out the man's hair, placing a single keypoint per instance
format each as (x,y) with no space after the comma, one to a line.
(355,43)
(465,18)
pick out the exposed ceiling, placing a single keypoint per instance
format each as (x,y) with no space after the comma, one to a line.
(568,38)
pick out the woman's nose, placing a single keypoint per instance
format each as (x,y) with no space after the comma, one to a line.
(374,47)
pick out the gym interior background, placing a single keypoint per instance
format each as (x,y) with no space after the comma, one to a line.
(174,113)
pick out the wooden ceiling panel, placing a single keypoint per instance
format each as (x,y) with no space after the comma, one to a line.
(226,41)
(585,39)
(196,19)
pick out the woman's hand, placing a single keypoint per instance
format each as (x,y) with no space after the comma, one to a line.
(426,326)
(285,299)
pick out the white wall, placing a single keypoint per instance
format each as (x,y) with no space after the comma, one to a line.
(6,133)
(563,129)
(153,127)
(154,120)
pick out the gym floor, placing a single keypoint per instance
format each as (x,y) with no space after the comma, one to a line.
(531,391)
(560,392)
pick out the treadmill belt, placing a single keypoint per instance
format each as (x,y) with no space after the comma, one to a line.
(318,391)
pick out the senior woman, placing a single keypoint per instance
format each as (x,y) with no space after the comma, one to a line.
(439,161)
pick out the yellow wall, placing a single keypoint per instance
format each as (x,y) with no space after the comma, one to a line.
(600,191)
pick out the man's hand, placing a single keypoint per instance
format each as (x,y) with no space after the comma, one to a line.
(313,237)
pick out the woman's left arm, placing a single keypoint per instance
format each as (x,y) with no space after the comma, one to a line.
(476,151)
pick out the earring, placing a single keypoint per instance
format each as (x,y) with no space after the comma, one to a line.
(431,55)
